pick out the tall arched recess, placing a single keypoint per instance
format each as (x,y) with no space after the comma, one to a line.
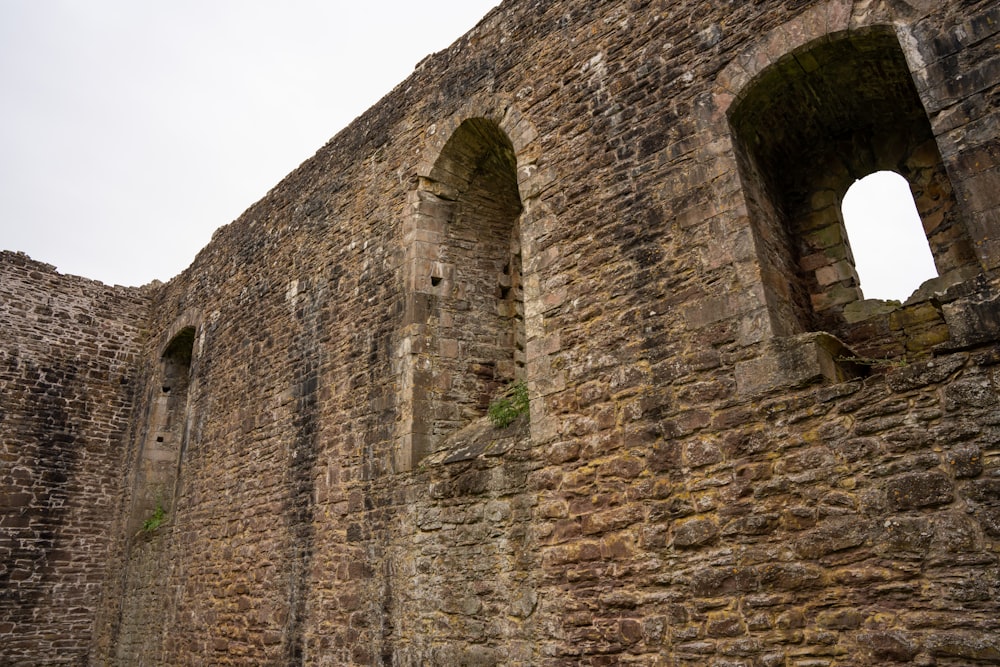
(158,467)
(464,335)
(805,128)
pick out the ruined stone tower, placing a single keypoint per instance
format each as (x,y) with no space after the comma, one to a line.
(282,456)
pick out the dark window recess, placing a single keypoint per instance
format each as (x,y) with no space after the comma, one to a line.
(806,129)
(159,463)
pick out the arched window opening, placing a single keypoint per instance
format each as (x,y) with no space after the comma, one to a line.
(166,435)
(804,130)
(465,318)
(887,240)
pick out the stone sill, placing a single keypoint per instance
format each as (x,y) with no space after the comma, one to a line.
(797,361)
(478,440)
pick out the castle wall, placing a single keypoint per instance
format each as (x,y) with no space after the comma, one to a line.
(268,538)
(701,480)
(67,377)
(680,495)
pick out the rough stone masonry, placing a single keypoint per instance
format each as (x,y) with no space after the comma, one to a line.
(731,458)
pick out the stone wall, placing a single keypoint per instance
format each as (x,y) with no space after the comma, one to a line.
(67,379)
(730,458)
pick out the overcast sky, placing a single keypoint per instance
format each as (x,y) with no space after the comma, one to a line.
(131,130)
(890,250)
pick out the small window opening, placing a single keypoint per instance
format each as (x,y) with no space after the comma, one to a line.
(811,123)
(435,281)
(887,239)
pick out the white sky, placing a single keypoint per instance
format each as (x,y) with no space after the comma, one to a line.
(131,130)
(887,239)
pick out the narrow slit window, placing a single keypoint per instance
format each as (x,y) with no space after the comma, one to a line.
(887,240)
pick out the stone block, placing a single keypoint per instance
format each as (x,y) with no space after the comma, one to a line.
(694,532)
(919,489)
(951,645)
(896,646)
(972,321)
(794,362)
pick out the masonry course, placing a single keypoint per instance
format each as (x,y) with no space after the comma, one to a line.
(731,457)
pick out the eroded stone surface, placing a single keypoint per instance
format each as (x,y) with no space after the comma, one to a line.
(686,490)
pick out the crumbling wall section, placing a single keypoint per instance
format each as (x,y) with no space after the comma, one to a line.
(67,381)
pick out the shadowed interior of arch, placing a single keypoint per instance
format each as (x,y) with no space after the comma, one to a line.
(805,129)
(474,321)
(160,462)
(886,236)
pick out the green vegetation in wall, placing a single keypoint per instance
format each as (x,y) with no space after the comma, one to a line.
(510,404)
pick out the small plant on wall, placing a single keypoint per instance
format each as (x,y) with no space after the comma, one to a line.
(510,404)
(155,520)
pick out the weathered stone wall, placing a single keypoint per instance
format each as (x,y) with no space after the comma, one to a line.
(67,378)
(707,476)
